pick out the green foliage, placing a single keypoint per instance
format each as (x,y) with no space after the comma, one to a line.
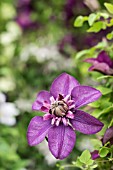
(83,162)
(97,26)
(90,52)
(103,152)
(79,21)
(92,18)
(110,35)
(95,22)
(25,70)
(109,7)
(96,143)
(104,90)
(86,158)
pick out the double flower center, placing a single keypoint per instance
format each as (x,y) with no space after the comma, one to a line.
(59,108)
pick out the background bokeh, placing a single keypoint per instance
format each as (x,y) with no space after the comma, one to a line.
(38,42)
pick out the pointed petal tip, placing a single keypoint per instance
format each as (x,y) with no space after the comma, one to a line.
(86,123)
(61,141)
(83,95)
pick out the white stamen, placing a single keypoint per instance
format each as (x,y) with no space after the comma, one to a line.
(70,102)
(52,99)
(72,106)
(67,98)
(53,121)
(70,115)
(58,121)
(64,121)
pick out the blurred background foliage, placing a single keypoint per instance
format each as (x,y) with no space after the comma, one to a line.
(38,42)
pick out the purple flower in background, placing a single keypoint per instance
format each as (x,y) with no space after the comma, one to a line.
(63,116)
(24,19)
(108,137)
(68,39)
(22,3)
(95,154)
(102,63)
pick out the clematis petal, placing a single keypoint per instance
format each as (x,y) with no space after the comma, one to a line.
(61,141)
(91,60)
(37,130)
(104,58)
(43,97)
(86,123)
(63,84)
(108,136)
(83,95)
(101,67)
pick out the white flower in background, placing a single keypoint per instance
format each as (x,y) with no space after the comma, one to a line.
(24,105)
(7,84)
(41,54)
(11,34)
(8,111)
(43,148)
(46,53)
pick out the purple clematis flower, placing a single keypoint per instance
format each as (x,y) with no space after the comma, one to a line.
(108,137)
(101,64)
(95,154)
(63,116)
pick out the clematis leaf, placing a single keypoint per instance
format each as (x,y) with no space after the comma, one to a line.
(91,19)
(85,157)
(80,20)
(96,27)
(103,152)
(109,7)
(104,90)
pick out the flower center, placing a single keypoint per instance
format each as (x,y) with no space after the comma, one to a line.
(59,108)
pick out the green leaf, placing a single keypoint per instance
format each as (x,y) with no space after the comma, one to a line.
(78,162)
(107,110)
(97,26)
(95,104)
(92,18)
(100,45)
(110,35)
(109,7)
(79,21)
(90,162)
(104,15)
(81,53)
(103,77)
(104,90)
(96,143)
(103,152)
(96,113)
(94,166)
(110,23)
(85,157)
